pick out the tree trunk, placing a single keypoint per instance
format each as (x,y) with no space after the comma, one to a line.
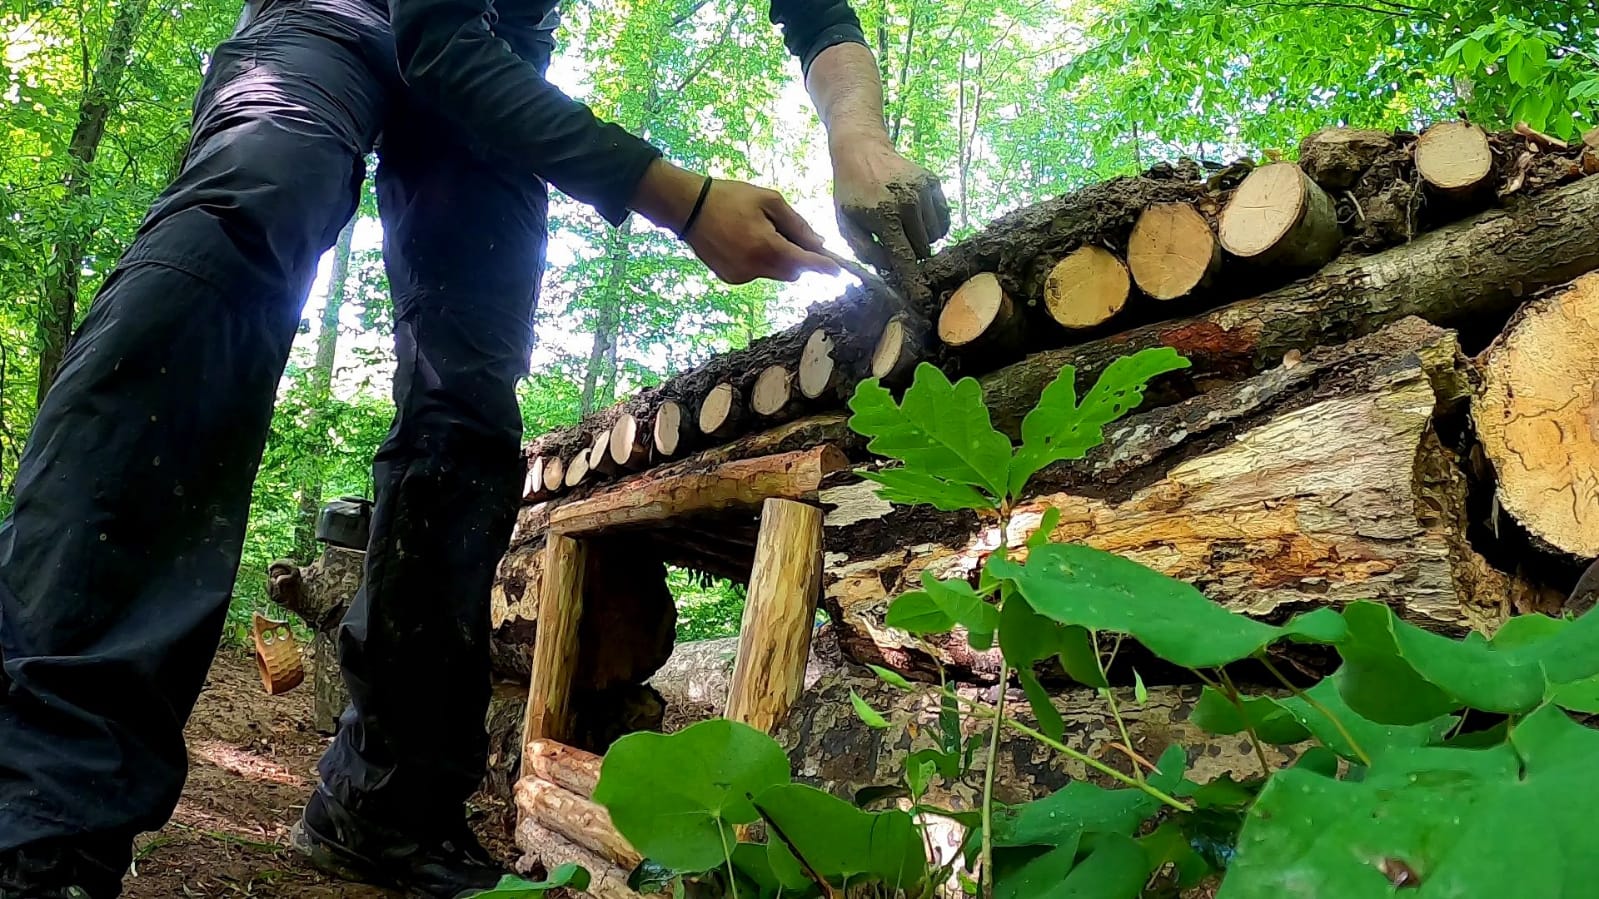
(1314,484)
(60,310)
(310,488)
(1537,417)
(608,319)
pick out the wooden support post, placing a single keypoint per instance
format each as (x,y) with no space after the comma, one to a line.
(549,701)
(779,615)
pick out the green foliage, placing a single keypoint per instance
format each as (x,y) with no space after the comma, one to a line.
(707,608)
(512,887)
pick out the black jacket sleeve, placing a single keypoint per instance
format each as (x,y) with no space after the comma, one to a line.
(451,58)
(811,26)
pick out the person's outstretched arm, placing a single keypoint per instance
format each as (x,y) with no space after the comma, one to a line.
(451,58)
(890,209)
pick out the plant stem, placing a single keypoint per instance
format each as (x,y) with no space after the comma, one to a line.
(1311,701)
(983,711)
(1249,726)
(988,783)
(1110,698)
(727,855)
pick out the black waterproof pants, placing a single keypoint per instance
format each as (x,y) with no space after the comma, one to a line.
(131,500)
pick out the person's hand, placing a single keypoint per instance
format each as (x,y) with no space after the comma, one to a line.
(890,209)
(742,232)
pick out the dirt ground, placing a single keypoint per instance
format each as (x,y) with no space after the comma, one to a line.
(252,762)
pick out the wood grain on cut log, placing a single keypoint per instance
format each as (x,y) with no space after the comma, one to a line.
(1537,417)
(580,820)
(669,428)
(818,370)
(779,615)
(773,389)
(1172,251)
(746,483)
(903,343)
(1280,217)
(980,315)
(533,485)
(1336,158)
(1455,159)
(599,455)
(1315,484)
(1470,273)
(720,412)
(630,445)
(577,469)
(554,474)
(1086,289)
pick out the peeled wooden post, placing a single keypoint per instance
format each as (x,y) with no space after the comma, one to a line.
(719,412)
(772,391)
(1279,217)
(549,701)
(554,474)
(1172,251)
(600,453)
(630,446)
(979,315)
(671,426)
(779,615)
(818,372)
(901,346)
(1455,159)
(1087,288)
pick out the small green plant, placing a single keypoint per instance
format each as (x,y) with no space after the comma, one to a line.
(513,887)
(1397,792)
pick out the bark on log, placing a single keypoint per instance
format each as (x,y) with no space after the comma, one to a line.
(1172,252)
(1337,158)
(1455,159)
(578,820)
(507,711)
(1537,417)
(1086,288)
(1313,484)
(742,484)
(1472,274)
(1279,217)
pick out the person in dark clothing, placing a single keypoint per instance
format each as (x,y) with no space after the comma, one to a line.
(117,562)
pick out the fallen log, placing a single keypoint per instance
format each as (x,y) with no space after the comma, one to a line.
(1086,288)
(1455,159)
(567,767)
(533,484)
(577,469)
(1537,417)
(545,850)
(1172,252)
(580,821)
(1280,217)
(1312,484)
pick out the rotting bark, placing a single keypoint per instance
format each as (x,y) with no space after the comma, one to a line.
(1313,484)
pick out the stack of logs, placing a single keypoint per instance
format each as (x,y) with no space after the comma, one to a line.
(1171,243)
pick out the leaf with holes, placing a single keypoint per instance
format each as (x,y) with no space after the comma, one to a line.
(940,430)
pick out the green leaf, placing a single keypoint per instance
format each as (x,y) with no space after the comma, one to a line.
(839,840)
(916,613)
(677,797)
(1046,526)
(651,877)
(1526,61)
(1528,631)
(753,860)
(1168,845)
(911,488)
(1116,868)
(1059,428)
(892,678)
(866,712)
(1100,591)
(942,604)
(1216,714)
(1050,722)
(940,430)
(1032,872)
(1292,720)
(1140,692)
(1075,809)
(1451,816)
(918,775)
(513,887)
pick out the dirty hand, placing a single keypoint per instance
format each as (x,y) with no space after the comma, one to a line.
(741,232)
(890,209)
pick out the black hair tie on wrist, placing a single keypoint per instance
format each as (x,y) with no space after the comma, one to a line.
(694,214)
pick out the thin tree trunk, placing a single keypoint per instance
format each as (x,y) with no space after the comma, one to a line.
(321,378)
(610,315)
(56,319)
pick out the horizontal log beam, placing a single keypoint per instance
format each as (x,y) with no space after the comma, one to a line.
(565,766)
(745,483)
(582,821)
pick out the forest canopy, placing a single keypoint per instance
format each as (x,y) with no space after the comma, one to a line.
(1008,101)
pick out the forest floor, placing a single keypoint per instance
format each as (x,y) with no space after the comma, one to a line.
(252,763)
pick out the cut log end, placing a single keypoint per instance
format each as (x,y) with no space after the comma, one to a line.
(1172,251)
(1279,216)
(669,420)
(773,388)
(599,457)
(1455,158)
(896,354)
(629,447)
(1538,418)
(577,470)
(533,485)
(719,411)
(1087,288)
(817,369)
(554,473)
(977,309)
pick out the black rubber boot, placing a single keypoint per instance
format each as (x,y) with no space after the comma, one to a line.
(59,869)
(448,865)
